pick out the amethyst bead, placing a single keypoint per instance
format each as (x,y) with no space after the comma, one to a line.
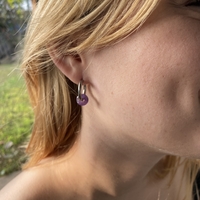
(82,101)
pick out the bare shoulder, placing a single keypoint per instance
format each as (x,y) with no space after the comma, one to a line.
(32,184)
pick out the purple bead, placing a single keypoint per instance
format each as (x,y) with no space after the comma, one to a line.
(83,101)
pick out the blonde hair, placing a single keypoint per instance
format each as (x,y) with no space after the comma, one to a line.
(73,27)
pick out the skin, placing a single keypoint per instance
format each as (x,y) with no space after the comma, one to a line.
(143,105)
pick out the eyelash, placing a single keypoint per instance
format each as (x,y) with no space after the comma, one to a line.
(194,3)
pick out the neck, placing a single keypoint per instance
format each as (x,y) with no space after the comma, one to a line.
(112,166)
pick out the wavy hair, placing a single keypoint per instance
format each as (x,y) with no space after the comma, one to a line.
(72,27)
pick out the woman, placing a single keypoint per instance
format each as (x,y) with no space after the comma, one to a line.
(131,129)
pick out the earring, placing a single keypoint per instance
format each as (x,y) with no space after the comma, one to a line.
(81,99)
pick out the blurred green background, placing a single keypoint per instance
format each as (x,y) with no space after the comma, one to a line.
(15,113)
(16,118)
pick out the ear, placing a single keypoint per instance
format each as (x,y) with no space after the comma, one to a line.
(71,66)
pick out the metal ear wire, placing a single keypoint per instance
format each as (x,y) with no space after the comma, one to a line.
(82,98)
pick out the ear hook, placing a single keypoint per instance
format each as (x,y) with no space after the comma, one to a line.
(82,98)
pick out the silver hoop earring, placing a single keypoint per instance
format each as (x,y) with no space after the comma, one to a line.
(82,98)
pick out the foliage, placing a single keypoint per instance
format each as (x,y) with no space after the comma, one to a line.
(14,3)
(13,19)
(15,119)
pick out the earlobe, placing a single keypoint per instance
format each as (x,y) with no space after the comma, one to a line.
(71,65)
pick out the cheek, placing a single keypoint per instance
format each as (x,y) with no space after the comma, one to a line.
(149,83)
(154,68)
(166,60)
(165,82)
